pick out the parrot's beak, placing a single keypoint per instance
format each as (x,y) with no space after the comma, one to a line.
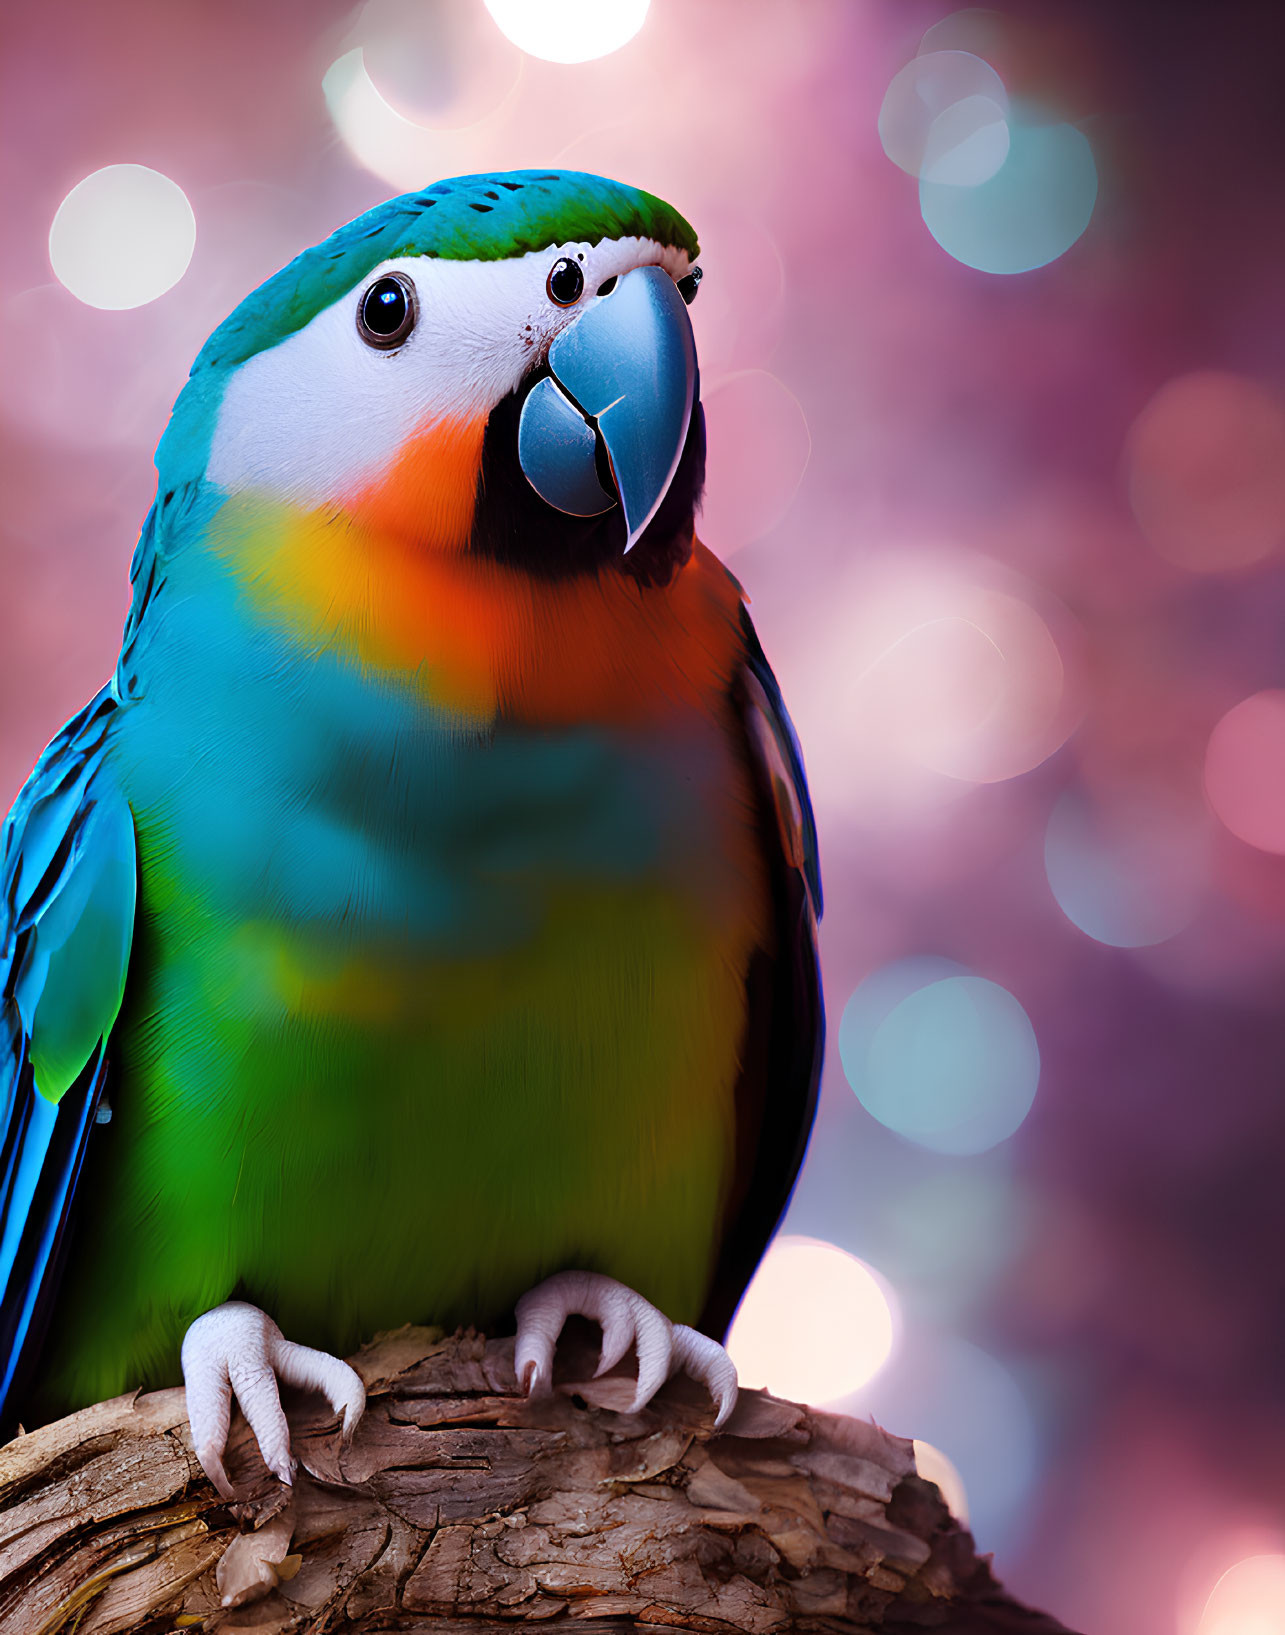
(622,377)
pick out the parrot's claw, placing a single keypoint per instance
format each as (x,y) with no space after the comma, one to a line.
(238,1348)
(663,1348)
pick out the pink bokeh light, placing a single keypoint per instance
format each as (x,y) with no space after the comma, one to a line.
(1245,770)
(1206,465)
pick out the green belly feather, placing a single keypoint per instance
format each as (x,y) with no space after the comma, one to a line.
(384,1115)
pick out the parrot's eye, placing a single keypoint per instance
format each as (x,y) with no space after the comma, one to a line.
(386,314)
(688,286)
(565,283)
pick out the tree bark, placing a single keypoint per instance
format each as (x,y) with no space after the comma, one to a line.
(462,1507)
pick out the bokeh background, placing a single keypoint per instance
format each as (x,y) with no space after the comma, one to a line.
(992,348)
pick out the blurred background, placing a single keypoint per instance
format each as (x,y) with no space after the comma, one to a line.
(992,350)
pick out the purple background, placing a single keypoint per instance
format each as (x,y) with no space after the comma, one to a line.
(1116,1264)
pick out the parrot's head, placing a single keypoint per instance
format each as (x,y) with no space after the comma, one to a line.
(500,364)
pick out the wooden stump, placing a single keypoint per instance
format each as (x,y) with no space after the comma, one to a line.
(461,1507)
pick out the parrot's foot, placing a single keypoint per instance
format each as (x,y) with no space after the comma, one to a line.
(663,1348)
(236,1347)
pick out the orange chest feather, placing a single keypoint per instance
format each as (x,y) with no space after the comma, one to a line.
(426,496)
(478,637)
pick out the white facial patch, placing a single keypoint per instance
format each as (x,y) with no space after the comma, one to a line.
(322,415)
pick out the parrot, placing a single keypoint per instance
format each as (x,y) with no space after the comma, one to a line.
(421,924)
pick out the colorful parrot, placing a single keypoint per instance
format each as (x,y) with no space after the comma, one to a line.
(421,924)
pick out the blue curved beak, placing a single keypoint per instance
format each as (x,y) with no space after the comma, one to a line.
(623,375)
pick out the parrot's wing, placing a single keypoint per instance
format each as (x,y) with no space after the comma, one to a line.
(781,1056)
(67,890)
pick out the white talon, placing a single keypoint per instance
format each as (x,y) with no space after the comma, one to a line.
(626,1319)
(705,1360)
(238,1348)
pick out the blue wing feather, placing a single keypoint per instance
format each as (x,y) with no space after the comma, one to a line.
(44,1150)
(67,895)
